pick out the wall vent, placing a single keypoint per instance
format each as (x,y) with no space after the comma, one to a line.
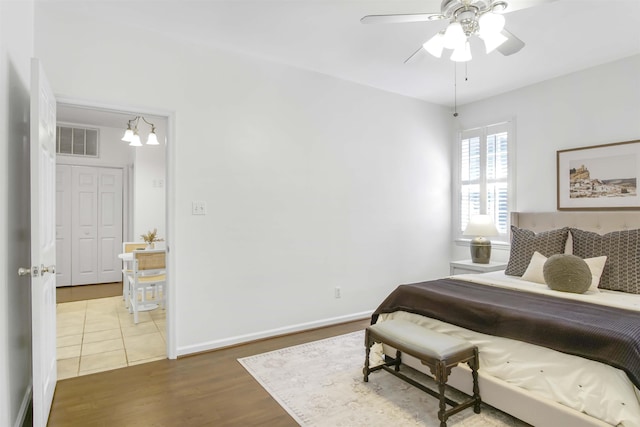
(77,141)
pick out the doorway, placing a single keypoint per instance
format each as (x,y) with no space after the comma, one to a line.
(96,332)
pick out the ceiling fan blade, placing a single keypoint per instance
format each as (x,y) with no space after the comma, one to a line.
(514,5)
(511,46)
(413,54)
(400,18)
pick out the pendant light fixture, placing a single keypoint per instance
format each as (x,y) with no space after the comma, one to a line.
(131,134)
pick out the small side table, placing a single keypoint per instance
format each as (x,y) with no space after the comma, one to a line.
(466,266)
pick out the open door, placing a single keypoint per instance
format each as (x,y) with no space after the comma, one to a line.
(43,243)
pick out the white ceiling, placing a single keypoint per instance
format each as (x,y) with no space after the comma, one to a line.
(561,36)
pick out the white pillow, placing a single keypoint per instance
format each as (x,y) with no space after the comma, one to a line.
(596,265)
(533,273)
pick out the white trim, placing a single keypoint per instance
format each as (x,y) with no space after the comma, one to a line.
(24,407)
(170,214)
(212,345)
(497,244)
(510,125)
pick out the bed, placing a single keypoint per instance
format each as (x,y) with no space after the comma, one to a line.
(583,370)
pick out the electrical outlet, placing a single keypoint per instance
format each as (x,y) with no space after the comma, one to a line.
(198,208)
(336,292)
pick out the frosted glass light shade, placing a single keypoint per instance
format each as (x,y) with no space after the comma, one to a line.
(454,36)
(152,139)
(128,135)
(435,45)
(490,23)
(462,53)
(135,141)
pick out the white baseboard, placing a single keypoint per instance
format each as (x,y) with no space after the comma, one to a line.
(24,407)
(212,345)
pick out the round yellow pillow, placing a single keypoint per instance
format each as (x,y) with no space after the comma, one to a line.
(567,273)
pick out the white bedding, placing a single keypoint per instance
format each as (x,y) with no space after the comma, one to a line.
(594,388)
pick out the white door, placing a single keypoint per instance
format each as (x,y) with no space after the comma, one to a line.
(84,206)
(43,243)
(63,225)
(109,225)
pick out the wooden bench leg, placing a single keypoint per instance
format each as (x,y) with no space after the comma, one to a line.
(475,365)
(398,360)
(441,379)
(367,345)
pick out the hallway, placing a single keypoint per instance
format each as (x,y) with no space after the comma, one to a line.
(96,335)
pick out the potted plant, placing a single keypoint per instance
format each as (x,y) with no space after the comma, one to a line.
(151,237)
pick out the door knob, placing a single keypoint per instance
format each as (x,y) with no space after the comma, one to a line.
(25,271)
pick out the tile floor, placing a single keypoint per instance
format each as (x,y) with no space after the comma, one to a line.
(99,335)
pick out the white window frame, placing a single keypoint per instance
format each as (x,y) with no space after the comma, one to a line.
(482,131)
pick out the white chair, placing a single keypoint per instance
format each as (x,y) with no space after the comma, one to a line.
(147,281)
(128,248)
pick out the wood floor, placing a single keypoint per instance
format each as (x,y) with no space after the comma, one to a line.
(208,389)
(86,292)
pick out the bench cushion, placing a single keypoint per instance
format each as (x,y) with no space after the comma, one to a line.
(418,340)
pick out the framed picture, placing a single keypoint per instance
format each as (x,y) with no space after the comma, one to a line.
(601,177)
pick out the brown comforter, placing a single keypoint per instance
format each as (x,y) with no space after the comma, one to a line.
(604,334)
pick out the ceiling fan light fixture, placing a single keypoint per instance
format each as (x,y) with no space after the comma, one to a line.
(462,53)
(493,41)
(499,6)
(490,23)
(435,45)
(454,36)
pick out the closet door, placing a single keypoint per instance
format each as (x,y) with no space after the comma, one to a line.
(63,225)
(84,212)
(109,225)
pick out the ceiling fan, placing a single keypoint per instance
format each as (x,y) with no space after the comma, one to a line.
(467,19)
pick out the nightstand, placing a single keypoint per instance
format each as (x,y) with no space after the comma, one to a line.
(466,266)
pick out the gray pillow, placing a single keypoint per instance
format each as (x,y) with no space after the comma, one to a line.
(567,273)
(525,242)
(622,248)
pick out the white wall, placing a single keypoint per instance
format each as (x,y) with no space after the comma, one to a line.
(148,177)
(311,182)
(149,201)
(599,105)
(16,49)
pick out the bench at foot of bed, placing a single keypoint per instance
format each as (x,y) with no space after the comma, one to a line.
(439,352)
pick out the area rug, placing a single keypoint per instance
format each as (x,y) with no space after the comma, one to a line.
(320,384)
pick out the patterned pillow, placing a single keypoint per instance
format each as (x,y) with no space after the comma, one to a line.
(622,248)
(525,242)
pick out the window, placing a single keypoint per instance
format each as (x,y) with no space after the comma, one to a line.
(484,176)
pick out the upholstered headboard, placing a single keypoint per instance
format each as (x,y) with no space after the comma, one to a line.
(598,222)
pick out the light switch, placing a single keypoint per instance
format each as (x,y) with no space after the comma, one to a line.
(198,208)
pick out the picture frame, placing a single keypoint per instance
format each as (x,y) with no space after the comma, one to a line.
(599,177)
